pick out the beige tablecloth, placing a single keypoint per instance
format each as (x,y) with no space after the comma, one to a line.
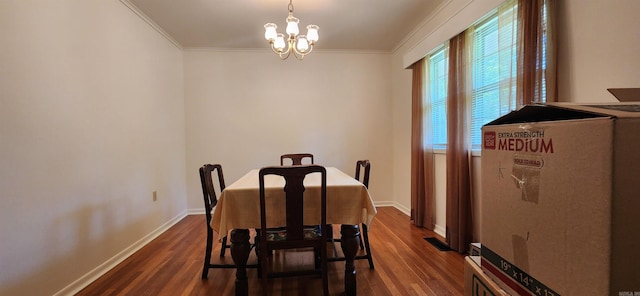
(348,202)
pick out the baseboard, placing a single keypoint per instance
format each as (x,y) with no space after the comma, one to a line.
(199,211)
(394,204)
(440,230)
(405,210)
(103,268)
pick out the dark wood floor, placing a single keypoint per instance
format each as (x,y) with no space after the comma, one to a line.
(405,264)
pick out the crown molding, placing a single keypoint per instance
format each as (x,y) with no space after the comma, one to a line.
(422,24)
(461,15)
(151,23)
(262,50)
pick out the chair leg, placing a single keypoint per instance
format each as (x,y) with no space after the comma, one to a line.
(365,233)
(207,254)
(264,275)
(325,272)
(256,245)
(331,239)
(317,258)
(223,248)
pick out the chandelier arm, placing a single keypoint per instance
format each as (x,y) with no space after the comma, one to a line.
(310,49)
(278,52)
(300,55)
(284,55)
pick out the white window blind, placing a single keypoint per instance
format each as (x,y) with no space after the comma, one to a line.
(494,70)
(438,71)
(493,74)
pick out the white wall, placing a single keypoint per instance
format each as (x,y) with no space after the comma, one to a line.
(94,117)
(246,108)
(91,123)
(598,49)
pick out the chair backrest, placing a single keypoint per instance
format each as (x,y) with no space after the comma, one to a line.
(208,188)
(366,166)
(294,202)
(296,158)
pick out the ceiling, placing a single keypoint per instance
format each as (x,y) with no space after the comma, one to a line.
(371,25)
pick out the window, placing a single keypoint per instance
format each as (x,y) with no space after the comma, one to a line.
(493,74)
(438,70)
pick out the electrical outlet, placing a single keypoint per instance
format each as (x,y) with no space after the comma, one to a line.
(155,195)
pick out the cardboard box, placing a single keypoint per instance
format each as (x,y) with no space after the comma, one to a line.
(561,202)
(476,282)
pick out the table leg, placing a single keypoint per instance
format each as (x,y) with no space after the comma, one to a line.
(240,249)
(349,243)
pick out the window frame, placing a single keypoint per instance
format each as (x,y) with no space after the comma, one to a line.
(438,62)
(503,103)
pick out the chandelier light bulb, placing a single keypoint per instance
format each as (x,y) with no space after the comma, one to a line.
(292,26)
(302,44)
(279,44)
(270,32)
(312,33)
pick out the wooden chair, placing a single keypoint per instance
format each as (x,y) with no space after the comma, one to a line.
(296,158)
(210,201)
(363,168)
(294,234)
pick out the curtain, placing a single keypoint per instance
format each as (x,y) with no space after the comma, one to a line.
(526,66)
(536,39)
(459,188)
(422,167)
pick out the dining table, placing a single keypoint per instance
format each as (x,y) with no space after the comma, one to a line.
(238,210)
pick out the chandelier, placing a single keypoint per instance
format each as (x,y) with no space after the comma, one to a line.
(300,45)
